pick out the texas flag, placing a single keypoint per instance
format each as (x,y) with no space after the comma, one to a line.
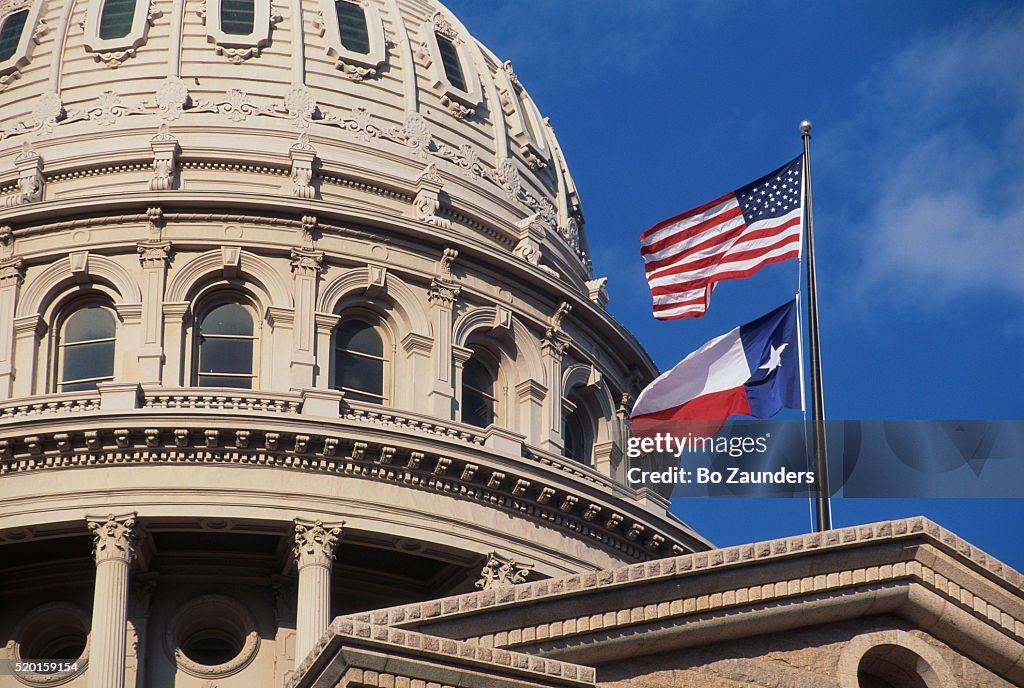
(754,370)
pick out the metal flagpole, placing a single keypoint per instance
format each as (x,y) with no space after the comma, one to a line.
(823,507)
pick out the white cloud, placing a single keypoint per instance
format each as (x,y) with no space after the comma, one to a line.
(946,154)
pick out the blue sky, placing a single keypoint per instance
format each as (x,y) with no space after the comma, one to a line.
(918,163)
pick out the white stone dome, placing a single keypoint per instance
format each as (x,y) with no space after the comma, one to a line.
(288,111)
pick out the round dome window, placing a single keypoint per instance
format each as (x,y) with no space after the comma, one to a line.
(51,637)
(212,636)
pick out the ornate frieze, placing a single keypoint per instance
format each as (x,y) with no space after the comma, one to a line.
(522,494)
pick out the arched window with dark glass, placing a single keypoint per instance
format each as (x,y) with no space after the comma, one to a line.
(11,29)
(237,17)
(359,361)
(577,435)
(86,344)
(116,18)
(352,27)
(452,63)
(226,342)
(479,400)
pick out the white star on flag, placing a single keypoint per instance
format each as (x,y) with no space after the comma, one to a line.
(774,358)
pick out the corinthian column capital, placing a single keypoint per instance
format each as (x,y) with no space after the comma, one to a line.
(315,542)
(113,537)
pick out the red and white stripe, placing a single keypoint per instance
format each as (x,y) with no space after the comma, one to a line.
(685,256)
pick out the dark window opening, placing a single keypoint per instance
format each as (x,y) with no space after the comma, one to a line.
(237,17)
(355,35)
(116,18)
(10,34)
(479,403)
(359,362)
(451,62)
(226,344)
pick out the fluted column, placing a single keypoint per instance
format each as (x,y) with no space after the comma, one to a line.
(314,554)
(114,539)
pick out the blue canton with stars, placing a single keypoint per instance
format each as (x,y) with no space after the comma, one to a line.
(773,195)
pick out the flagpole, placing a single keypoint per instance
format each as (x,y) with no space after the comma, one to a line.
(823,507)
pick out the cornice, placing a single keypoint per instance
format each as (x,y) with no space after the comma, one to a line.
(414,453)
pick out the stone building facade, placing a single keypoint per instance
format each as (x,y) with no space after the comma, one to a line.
(298,322)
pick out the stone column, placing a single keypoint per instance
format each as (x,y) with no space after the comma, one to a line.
(553,352)
(28,332)
(114,539)
(153,258)
(12,274)
(176,316)
(306,265)
(314,555)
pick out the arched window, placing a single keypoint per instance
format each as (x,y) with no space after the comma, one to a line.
(86,348)
(359,361)
(479,398)
(451,62)
(577,435)
(10,33)
(237,17)
(225,347)
(352,27)
(116,18)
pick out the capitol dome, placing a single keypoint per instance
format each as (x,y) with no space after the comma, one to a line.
(297,319)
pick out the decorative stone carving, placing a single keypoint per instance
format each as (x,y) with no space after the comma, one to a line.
(155,215)
(12,271)
(303,158)
(625,406)
(109,108)
(444,265)
(165,160)
(554,339)
(300,105)
(501,572)
(114,538)
(47,111)
(30,177)
(427,202)
(444,288)
(315,542)
(307,233)
(304,260)
(532,232)
(443,26)
(415,134)
(171,98)
(597,290)
(153,254)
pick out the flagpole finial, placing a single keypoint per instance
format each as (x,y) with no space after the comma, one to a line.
(805,127)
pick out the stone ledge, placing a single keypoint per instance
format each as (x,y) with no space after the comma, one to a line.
(886,531)
(423,653)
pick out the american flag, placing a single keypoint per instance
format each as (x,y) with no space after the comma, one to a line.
(731,237)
